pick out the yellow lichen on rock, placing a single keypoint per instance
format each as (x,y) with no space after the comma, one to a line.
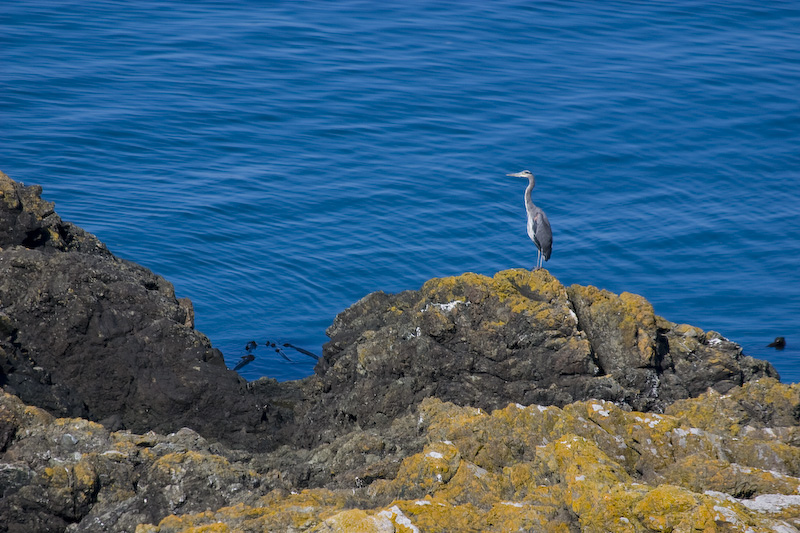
(591,466)
(523,291)
(423,473)
(277,511)
(7,192)
(765,397)
(36,416)
(534,293)
(643,328)
(451,288)
(357,520)
(709,464)
(171,462)
(436,515)
(539,282)
(633,320)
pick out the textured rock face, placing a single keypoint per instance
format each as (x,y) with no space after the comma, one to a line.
(69,471)
(714,463)
(706,465)
(83,333)
(86,334)
(518,337)
(371,442)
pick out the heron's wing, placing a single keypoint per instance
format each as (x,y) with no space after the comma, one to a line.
(542,234)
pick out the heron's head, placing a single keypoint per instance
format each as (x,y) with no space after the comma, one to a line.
(524,174)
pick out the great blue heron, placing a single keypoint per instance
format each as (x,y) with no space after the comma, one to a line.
(538,226)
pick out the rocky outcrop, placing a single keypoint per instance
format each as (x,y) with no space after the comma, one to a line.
(392,430)
(84,333)
(713,463)
(521,337)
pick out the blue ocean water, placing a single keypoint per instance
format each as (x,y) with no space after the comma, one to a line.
(278,161)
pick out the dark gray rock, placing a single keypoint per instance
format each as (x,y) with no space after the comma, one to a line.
(74,474)
(656,361)
(518,337)
(84,333)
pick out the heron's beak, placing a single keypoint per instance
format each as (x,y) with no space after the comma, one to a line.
(517,175)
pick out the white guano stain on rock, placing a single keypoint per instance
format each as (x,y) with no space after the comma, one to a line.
(449,306)
(396,515)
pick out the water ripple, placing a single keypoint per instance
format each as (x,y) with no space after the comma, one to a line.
(277,162)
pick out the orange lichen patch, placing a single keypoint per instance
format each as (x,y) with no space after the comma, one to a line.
(495,324)
(591,465)
(435,515)
(670,508)
(453,288)
(58,475)
(84,475)
(79,424)
(523,515)
(632,317)
(186,524)
(602,507)
(357,520)
(276,511)
(540,283)
(763,396)
(474,485)
(665,507)
(688,330)
(422,473)
(7,192)
(532,293)
(524,292)
(34,416)
(181,460)
(700,473)
(72,483)
(641,313)
(575,459)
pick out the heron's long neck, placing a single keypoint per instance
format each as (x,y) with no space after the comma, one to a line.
(528,202)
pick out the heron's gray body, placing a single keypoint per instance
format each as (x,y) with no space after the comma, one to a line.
(538,226)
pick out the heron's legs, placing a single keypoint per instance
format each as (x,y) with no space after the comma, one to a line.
(538,260)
